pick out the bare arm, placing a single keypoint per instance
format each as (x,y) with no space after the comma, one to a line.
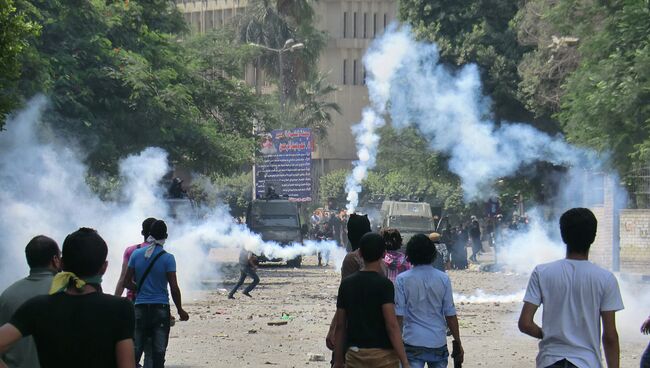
(330,340)
(176,295)
(610,339)
(341,331)
(452,323)
(8,336)
(119,289)
(527,324)
(127,282)
(124,354)
(394,332)
(400,322)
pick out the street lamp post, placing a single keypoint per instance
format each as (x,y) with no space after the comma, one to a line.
(290,45)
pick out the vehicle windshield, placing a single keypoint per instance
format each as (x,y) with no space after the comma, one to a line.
(412,222)
(275,221)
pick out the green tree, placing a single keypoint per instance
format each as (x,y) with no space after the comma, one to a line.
(311,108)
(15,30)
(474,31)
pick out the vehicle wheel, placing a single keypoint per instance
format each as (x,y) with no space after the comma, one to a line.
(296,262)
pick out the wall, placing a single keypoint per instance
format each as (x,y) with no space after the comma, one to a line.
(635,241)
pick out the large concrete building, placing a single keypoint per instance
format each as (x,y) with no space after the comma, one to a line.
(351,26)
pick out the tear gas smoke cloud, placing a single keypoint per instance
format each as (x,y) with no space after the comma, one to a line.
(406,80)
(44,192)
(480,297)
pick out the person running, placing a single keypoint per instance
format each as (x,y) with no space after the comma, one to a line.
(424,306)
(153,269)
(248,267)
(44,260)
(367,332)
(77,326)
(394,259)
(577,295)
(645,359)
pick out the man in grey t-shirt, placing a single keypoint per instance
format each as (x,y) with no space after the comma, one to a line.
(576,295)
(43,257)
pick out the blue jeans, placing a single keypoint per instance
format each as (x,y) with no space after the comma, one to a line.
(246,271)
(432,357)
(152,323)
(645,359)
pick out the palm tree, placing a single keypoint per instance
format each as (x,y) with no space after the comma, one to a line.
(312,108)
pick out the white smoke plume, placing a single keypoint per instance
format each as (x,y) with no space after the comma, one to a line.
(481,297)
(406,80)
(44,191)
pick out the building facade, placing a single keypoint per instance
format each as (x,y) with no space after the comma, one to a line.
(351,26)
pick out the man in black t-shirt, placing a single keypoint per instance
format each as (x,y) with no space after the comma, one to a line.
(77,325)
(365,318)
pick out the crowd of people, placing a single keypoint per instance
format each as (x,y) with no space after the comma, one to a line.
(393,309)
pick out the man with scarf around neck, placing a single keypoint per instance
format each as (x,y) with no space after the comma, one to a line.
(152,312)
(44,260)
(130,294)
(76,325)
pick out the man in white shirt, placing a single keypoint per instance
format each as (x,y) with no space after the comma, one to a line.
(576,295)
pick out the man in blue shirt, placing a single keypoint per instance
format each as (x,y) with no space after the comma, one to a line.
(424,307)
(153,268)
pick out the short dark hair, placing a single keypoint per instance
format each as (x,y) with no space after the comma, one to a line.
(158,230)
(40,251)
(358,225)
(372,247)
(420,250)
(146,226)
(392,238)
(578,228)
(84,252)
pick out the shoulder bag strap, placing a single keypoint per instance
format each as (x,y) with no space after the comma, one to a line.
(146,272)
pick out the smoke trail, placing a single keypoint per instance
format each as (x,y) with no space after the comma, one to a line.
(450,112)
(480,297)
(44,192)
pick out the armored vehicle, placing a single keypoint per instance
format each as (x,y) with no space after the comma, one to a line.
(409,218)
(276,220)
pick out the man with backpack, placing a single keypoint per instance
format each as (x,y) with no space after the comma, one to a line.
(152,269)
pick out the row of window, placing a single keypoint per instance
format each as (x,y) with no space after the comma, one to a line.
(364,32)
(356,67)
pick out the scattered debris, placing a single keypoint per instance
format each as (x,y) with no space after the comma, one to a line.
(277,323)
(316,358)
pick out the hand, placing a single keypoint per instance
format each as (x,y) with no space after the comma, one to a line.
(330,341)
(645,327)
(458,353)
(183,315)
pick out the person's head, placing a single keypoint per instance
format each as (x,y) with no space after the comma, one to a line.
(43,252)
(84,253)
(358,225)
(392,238)
(158,230)
(372,247)
(578,228)
(146,227)
(420,250)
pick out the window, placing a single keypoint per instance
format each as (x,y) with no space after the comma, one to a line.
(354,25)
(345,24)
(365,21)
(374,25)
(365,77)
(385,21)
(354,72)
(345,66)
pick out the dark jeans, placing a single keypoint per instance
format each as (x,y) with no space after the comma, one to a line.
(152,322)
(645,359)
(562,364)
(246,271)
